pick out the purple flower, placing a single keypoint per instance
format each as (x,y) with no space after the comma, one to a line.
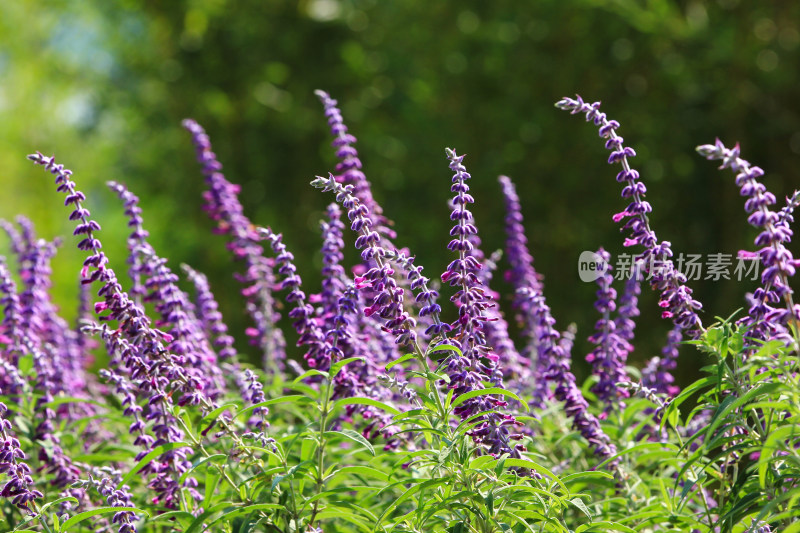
(657,374)
(136,240)
(333,275)
(349,168)
(302,314)
(523,277)
(253,393)
(207,311)
(115,497)
(19,486)
(11,326)
(476,363)
(137,347)
(223,207)
(764,321)
(628,305)
(158,284)
(555,349)
(611,352)
(426,297)
(388,300)
(676,298)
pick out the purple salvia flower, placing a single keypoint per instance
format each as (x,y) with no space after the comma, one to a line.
(43,334)
(302,314)
(156,283)
(11,336)
(12,331)
(759,526)
(19,486)
(510,368)
(137,269)
(522,273)
(332,271)
(476,363)
(657,374)
(628,310)
(676,298)
(223,207)
(786,215)
(40,323)
(253,392)
(131,408)
(764,320)
(426,297)
(18,243)
(523,278)
(151,367)
(115,497)
(349,168)
(611,351)
(358,378)
(575,405)
(208,313)
(388,300)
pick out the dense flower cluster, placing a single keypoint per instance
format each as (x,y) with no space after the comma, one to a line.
(611,352)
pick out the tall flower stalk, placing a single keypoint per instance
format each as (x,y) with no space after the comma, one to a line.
(477,362)
(676,298)
(611,350)
(223,207)
(765,320)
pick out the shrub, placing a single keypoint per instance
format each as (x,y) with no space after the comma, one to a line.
(389,417)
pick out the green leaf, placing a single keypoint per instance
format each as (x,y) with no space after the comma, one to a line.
(294,398)
(361,471)
(367,401)
(443,348)
(157,451)
(525,463)
(604,526)
(216,412)
(337,366)
(403,359)
(80,517)
(775,442)
(587,477)
(69,399)
(480,461)
(183,517)
(356,437)
(407,494)
(25,364)
(311,373)
(243,510)
(211,482)
(213,459)
(577,502)
(731,403)
(486,392)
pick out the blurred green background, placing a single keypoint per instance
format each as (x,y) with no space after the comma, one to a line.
(103,85)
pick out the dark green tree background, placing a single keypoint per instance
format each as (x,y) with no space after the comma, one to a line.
(105,84)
